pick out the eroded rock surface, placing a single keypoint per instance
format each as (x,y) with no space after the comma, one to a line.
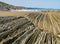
(19,30)
(49,21)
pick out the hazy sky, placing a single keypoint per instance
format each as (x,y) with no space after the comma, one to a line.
(35,3)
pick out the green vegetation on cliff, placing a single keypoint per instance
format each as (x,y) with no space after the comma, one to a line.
(5,5)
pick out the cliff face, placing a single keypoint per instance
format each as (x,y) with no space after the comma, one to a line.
(5,6)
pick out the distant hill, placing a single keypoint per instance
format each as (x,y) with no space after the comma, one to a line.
(5,6)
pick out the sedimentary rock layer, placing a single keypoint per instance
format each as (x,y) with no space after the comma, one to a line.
(48,21)
(19,30)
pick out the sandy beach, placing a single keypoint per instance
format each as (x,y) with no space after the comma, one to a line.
(9,13)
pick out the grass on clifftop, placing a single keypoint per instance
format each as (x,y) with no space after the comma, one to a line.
(5,5)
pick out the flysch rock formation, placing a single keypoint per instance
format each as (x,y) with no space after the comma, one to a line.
(19,30)
(48,21)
